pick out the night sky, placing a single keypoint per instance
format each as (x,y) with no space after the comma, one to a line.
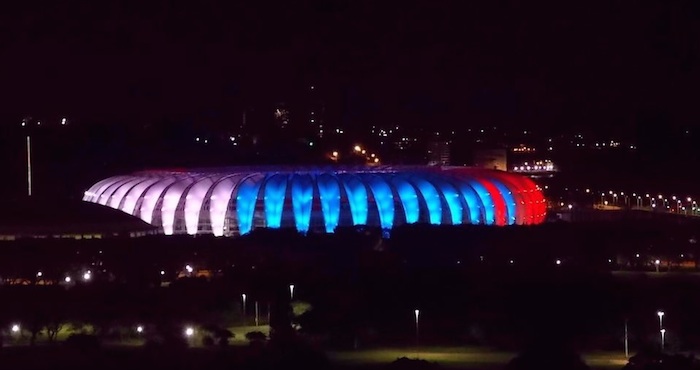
(591,65)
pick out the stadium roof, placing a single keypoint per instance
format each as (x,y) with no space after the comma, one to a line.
(235,200)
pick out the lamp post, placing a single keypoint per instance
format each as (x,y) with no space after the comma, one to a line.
(29,166)
(663,338)
(257,314)
(243,296)
(417,314)
(291,292)
(627,343)
(660,314)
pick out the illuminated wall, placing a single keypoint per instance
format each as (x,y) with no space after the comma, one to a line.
(234,201)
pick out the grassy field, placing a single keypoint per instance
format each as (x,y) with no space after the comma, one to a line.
(473,358)
(456,358)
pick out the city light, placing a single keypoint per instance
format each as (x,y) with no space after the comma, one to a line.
(335,153)
(558,262)
(15,328)
(357,148)
(189,268)
(139,329)
(189,331)
(63,121)
(162,272)
(39,274)
(67,279)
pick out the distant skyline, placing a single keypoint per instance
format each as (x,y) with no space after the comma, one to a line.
(602,66)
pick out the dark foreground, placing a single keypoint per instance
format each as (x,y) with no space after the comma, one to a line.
(240,357)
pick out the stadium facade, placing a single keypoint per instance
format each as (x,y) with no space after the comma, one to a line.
(234,201)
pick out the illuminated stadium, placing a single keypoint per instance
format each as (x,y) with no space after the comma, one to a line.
(234,201)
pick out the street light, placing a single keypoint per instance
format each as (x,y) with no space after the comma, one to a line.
(189,331)
(243,296)
(139,329)
(663,338)
(627,345)
(291,291)
(257,314)
(15,328)
(417,314)
(661,319)
(657,263)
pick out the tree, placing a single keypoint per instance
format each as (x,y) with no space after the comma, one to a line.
(543,358)
(405,363)
(256,336)
(223,336)
(53,327)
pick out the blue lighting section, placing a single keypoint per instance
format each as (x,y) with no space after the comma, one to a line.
(329,192)
(245,203)
(302,199)
(275,189)
(357,197)
(409,199)
(508,199)
(451,196)
(432,199)
(384,200)
(489,214)
(473,203)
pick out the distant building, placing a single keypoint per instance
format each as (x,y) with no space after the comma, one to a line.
(493,159)
(439,153)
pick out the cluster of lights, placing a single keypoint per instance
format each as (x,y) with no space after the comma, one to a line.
(370,157)
(524,149)
(612,144)
(384,133)
(538,166)
(25,122)
(681,204)
(405,142)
